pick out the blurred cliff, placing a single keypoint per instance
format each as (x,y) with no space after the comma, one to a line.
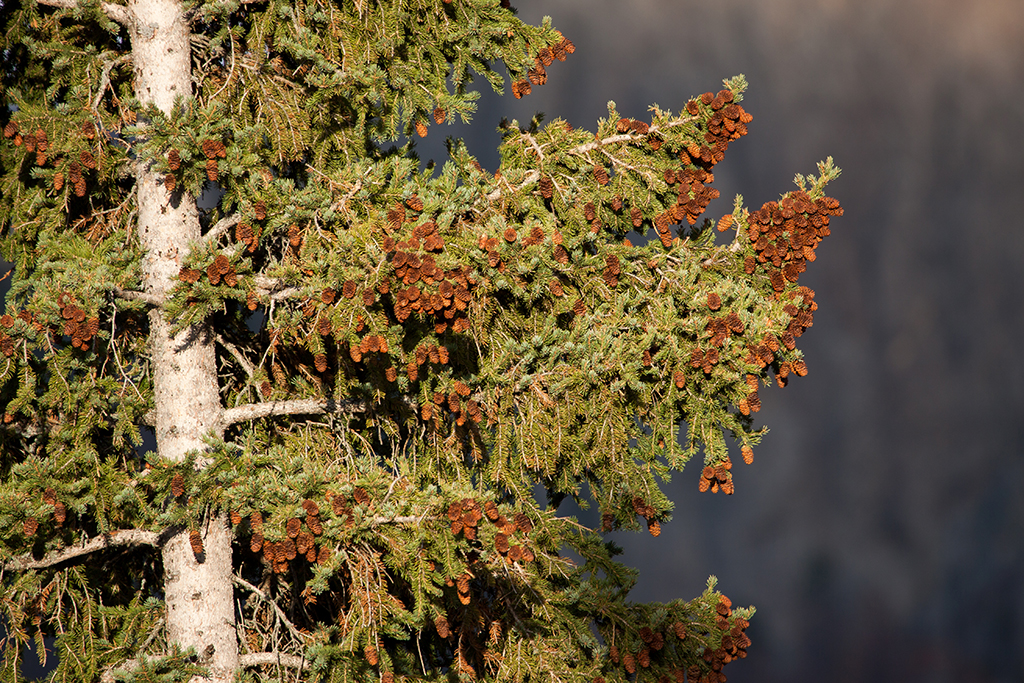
(880,530)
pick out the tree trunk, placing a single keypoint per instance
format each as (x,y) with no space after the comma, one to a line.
(198,589)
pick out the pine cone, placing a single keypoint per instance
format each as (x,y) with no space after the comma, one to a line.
(196,540)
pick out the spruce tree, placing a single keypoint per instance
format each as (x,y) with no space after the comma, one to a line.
(359,371)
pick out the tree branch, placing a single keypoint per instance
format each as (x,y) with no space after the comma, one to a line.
(233,350)
(534,176)
(118,13)
(146,297)
(271,659)
(531,177)
(221,227)
(301,406)
(407,519)
(114,538)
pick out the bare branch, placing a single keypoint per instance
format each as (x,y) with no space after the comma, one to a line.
(271,659)
(221,227)
(118,13)
(146,297)
(114,538)
(274,287)
(301,406)
(239,581)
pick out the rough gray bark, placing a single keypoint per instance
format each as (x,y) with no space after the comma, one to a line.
(198,588)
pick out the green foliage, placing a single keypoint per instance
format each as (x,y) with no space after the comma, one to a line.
(460,336)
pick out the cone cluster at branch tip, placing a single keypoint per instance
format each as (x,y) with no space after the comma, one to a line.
(786,233)
(643,648)
(537,75)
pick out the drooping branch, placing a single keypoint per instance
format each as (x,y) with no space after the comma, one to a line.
(271,659)
(300,406)
(118,13)
(114,538)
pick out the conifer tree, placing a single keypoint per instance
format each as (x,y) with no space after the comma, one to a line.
(359,371)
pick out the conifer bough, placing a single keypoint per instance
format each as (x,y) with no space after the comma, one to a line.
(357,371)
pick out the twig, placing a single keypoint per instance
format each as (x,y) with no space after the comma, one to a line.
(231,73)
(627,137)
(301,406)
(611,140)
(118,13)
(114,538)
(117,356)
(272,658)
(618,163)
(239,581)
(340,205)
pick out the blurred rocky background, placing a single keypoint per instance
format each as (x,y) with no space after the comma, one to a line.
(880,530)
